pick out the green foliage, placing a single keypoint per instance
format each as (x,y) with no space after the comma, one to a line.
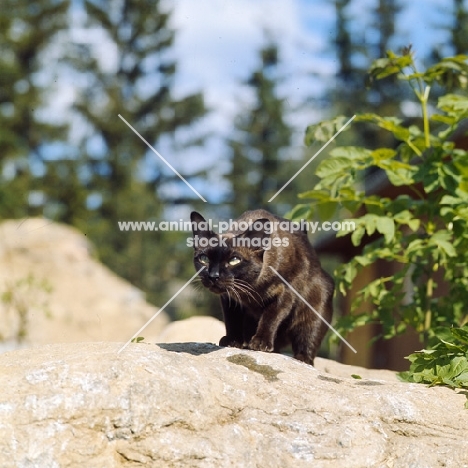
(138,339)
(20,297)
(424,228)
(130,181)
(445,362)
(26,31)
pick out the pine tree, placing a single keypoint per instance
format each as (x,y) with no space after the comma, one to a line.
(351,92)
(457,31)
(348,74)
(123,174)
(460,28)
(260,136)
(26,30)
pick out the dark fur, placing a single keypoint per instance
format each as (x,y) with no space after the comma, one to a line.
(260,311)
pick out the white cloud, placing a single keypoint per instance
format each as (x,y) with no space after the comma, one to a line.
(217,45)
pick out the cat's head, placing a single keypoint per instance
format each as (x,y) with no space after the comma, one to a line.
(232,261)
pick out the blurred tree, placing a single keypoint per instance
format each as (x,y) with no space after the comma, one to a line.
(260,137)
(124,178)
(460,27)
(357,45)
(26,30)
(349,76)
(457,30)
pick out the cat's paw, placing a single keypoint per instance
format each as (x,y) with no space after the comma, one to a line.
(232,343)
(260,344)
(304,358)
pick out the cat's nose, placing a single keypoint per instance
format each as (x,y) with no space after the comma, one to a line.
(214,274)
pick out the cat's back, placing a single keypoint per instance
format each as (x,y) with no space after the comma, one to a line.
(295,247)
(280,226)
(253,215)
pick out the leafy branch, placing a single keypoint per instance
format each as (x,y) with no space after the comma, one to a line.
(445,362)
(423,231)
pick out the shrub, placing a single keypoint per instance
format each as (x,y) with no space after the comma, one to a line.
(425,233)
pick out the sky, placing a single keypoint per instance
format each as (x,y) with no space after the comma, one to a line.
(217,41)
(217,44)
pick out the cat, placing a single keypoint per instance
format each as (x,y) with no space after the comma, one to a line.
(260,311)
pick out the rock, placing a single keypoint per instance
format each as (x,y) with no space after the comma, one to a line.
(196,329)
(343,370)
(53,288)
(198,405)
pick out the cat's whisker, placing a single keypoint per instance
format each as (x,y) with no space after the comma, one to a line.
(236,294)
(199,289)
(248,291)
(248,286)
(240,292)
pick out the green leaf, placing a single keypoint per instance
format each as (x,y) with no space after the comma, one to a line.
(414,224)
(450,200)
(448,382)
(398,172)
(393,64)
(326,210)
(443,240)
(370,222)
(386,226)
(325,130)
(392,124)
(460,333)
(454,104)
(357,235)
(450,71)
(459,365)
(415,246)
(351,152)
(299,212)
(350,273)
(334,166)
(383,154)
(138,339)
(363,260)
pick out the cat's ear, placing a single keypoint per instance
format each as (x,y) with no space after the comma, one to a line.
(200,227)
(196,217)
(257,233)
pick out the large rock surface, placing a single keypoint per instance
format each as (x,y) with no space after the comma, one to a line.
(49,277)
(198,405)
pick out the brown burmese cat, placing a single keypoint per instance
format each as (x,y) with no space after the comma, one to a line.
(260,311)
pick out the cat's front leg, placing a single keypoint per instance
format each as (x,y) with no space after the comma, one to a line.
(261,343)
(270,320)
(230,342)
(233,319)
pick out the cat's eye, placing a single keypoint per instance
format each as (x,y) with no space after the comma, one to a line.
(203,259)
(234,261)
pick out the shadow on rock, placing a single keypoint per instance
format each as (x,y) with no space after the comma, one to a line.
(196,349)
